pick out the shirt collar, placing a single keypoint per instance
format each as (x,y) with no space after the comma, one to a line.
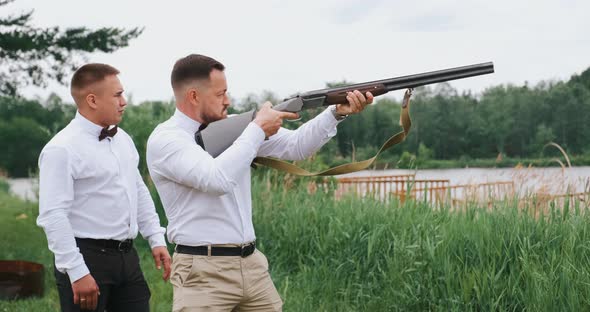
(87,125)
(185,122)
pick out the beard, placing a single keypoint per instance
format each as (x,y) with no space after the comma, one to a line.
(211,117)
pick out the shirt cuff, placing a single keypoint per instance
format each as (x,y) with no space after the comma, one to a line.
(328,113)
(77,272)
(328,121)
(157,240)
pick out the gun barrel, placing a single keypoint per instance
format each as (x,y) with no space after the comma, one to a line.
(221,134)
(412,81)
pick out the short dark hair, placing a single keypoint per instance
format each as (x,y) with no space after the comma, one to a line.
(193,67)
(91,73)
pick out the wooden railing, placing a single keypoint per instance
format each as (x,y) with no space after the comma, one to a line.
(382,187)
(542,203)
(435,191)
(456,194)
(440,192)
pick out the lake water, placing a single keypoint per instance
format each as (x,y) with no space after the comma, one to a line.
(25,188)
(548,180)
(554,180)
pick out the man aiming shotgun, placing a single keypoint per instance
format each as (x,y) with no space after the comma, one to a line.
(207,199)
(206,194)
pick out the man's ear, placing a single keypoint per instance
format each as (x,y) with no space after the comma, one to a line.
(91,101)
(193,95)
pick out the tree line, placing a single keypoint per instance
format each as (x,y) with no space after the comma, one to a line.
(505,121)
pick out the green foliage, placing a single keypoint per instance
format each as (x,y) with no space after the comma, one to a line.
(22,140)
(139,122)
(514,121)
(4,185)
(424,153)
(25,127)
(543,136)
(32,55)
(407,160)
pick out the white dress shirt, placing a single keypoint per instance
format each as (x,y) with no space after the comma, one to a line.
(92,189)
(208,200)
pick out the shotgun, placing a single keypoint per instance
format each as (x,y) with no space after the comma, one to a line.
(220,135)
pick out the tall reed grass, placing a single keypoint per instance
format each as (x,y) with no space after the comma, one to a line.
(359,254)
(365,255)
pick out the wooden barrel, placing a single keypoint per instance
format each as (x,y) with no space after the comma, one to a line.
(20,279)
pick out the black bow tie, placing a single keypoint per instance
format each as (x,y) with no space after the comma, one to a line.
(106,132)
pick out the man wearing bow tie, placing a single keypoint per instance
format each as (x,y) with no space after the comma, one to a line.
(93,201)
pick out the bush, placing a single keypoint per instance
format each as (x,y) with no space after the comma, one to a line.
(4,186)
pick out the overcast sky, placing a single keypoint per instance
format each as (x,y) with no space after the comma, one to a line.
(299,46)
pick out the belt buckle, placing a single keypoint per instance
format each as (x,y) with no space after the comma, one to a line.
(123,246)
(247,250)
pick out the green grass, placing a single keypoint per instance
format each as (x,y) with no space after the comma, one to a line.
(363,255)
(23,240)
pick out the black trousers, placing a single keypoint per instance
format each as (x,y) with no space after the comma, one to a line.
(119,278)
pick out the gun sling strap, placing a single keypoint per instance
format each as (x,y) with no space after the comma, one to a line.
(405,122)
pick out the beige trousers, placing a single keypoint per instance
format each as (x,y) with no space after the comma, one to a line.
(223,283)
